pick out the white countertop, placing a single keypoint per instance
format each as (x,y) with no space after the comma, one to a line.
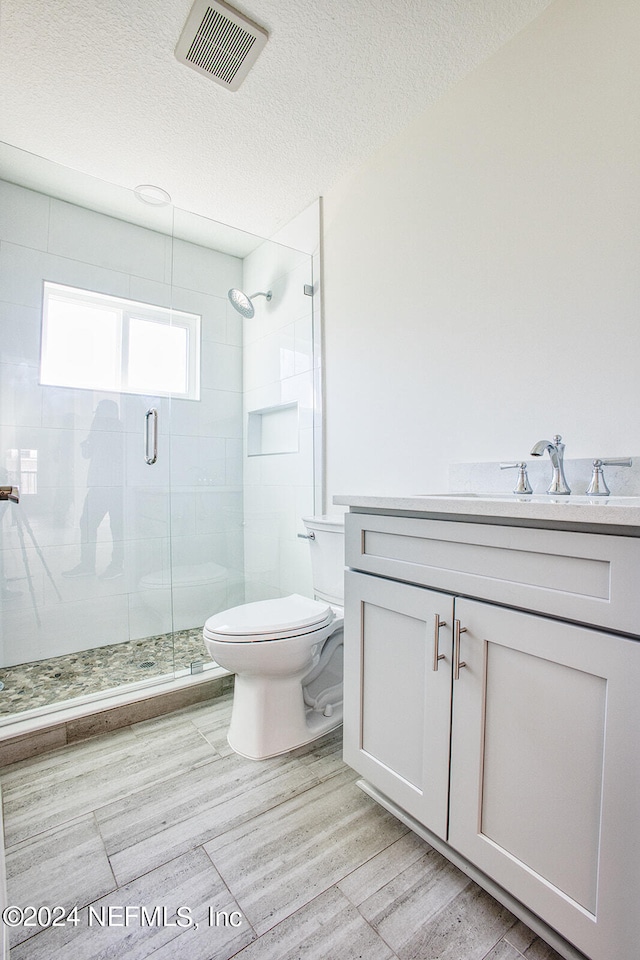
(535,509)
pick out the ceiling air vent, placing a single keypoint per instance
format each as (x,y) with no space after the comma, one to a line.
(220,43)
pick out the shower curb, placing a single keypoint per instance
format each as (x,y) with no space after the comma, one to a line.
(53,735)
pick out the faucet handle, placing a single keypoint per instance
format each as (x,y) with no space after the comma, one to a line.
(522,483)
(598,486)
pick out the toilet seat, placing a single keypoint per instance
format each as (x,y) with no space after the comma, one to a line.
(277,619)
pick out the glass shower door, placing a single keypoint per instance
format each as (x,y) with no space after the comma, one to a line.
(86,603)
(85,555)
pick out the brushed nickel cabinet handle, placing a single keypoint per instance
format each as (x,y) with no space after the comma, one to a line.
(457,662)
(436,640)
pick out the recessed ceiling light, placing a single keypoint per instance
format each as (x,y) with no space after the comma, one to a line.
(148,193)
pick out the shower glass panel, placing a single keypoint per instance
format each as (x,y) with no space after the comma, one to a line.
(235,517)
(127,381)
(75,284)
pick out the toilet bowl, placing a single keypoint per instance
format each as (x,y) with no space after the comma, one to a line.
(286,654)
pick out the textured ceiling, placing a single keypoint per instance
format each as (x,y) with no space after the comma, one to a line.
(94,85)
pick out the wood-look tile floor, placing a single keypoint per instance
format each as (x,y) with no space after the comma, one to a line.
(160,825)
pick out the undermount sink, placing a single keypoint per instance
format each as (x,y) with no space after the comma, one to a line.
(538,498)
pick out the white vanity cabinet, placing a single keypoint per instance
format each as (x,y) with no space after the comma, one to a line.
(397,721)
(524,756)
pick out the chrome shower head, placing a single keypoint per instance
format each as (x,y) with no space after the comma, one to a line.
(242,303)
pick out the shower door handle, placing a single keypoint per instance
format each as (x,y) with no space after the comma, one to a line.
(151,436)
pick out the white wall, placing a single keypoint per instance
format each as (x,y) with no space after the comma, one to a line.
(482,281)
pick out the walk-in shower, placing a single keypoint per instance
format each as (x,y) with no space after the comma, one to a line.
(127,383)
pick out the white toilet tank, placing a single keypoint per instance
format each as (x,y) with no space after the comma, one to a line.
(326,542)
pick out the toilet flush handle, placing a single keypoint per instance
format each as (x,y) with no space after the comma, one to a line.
(307,536)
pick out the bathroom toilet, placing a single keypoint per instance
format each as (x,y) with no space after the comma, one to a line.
(286,654)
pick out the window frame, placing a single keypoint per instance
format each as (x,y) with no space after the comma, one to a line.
(127,310)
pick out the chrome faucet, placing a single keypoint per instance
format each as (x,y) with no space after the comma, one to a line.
(522,483)
(555,450)
(598,486)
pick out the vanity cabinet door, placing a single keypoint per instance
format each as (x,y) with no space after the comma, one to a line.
(545,777)
(397,705)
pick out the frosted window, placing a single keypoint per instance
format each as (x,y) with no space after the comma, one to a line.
(97,342)
(158,357)
(82,346)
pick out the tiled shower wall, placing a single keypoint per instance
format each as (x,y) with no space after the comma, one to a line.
(199,527)
(281,369)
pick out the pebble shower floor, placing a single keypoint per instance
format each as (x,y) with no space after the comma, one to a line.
(45,682)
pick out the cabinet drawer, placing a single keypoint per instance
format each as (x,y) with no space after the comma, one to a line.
(589,578)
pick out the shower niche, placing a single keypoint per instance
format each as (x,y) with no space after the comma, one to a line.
(273,430)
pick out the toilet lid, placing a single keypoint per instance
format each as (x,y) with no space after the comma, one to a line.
(269,619)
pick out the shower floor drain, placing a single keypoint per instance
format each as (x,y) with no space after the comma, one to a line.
(146,664)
